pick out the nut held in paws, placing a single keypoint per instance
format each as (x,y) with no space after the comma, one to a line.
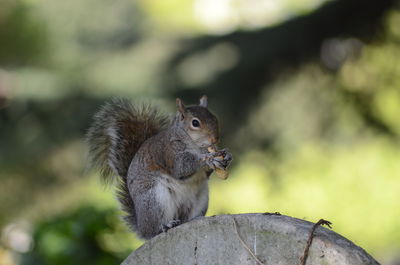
(221,173)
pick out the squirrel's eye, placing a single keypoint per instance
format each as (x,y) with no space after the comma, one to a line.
(195,123)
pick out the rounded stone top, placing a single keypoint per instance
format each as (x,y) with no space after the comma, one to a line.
(248,239)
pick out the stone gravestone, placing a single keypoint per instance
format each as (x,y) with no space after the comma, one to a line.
(248,239)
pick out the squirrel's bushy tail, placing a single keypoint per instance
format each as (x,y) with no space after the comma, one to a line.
(118,130)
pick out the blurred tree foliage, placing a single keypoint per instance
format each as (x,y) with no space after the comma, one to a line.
(18,27)
(258,57)
(86,235)
(309,106)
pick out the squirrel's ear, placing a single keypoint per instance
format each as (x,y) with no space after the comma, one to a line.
(180,106)
(203,101)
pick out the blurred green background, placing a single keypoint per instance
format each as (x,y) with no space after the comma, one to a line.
(307,93)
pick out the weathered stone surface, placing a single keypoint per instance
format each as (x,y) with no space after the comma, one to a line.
(275,240)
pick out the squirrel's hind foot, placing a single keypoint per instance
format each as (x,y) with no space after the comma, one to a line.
(170,224)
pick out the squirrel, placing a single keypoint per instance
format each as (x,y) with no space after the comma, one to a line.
(162,165)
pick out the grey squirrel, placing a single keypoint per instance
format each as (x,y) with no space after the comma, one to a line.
(162,166)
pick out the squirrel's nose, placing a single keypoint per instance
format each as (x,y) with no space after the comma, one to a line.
(213,140)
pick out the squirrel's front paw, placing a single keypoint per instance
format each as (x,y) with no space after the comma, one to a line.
(223,159)
(226,158)
(209,159)
(219,159)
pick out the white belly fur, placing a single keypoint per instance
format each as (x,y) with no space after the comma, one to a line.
(185,193)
